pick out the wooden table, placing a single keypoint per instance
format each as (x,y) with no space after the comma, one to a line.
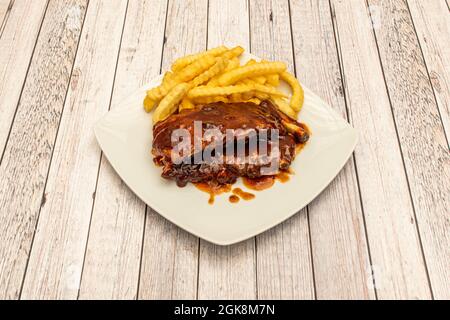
(70,228)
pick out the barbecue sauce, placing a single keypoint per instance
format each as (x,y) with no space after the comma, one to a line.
(283,176)
(213,190)
(266,182)
(243,195)
(259,184)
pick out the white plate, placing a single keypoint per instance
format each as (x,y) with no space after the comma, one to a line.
(125,136)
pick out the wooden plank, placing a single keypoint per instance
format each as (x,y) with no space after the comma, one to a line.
(25,164)
(339,248)
(170,255)
(391,228)
(56,259)
(431,20)
(422,136)
(112,263)
(5,9)
(283,253)
(16,49)
(227,272)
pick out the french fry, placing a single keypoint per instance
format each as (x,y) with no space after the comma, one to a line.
(206,91)
(292,128)
(196,68)
(239,98)
(168,82)
(273,79)
(298,95)
(188,73)
(233,64)
(168,77)
(208,100)
(284,107)
(169,103)
(268,90)
(233,53)
(186,104)
(149,104)
(217,68)
(180,63)
(258,69)
(254,100)
(260,79)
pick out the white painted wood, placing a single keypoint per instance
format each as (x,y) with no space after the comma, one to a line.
(339,248)
(283,253)
(170,255)
(228,23)
(27,157)
(281,264)
(393,239)
(227,272)
(422,136)
(16,48)
(432,24)
(169,261)
(112,263)
(58,250)
(5,8)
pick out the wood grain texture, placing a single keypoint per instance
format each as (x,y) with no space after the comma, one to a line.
(56,259)
(27,156)
(421,135)
(391,227)
(112,263)
(170,255)
(16,48)
(227,272)
(283,253)
(338,240)
(431,20)
(5,8)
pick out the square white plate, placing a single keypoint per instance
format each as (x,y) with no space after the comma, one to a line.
(125,136)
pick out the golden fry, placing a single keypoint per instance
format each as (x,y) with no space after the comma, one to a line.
(217,68)
(284,107)
(206,91)
(169,104)
(186,104)
(232,64)
(298,95)
(239,98)
(260,79)
(208,100)
(258,69)
(194,69)
(273,79)
(268,90)
(168,82)
(233,53)
(149,104)
(180,63)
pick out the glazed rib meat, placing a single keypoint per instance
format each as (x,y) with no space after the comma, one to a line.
(221,116)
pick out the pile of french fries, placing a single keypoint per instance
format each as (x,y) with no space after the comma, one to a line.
(217,75)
